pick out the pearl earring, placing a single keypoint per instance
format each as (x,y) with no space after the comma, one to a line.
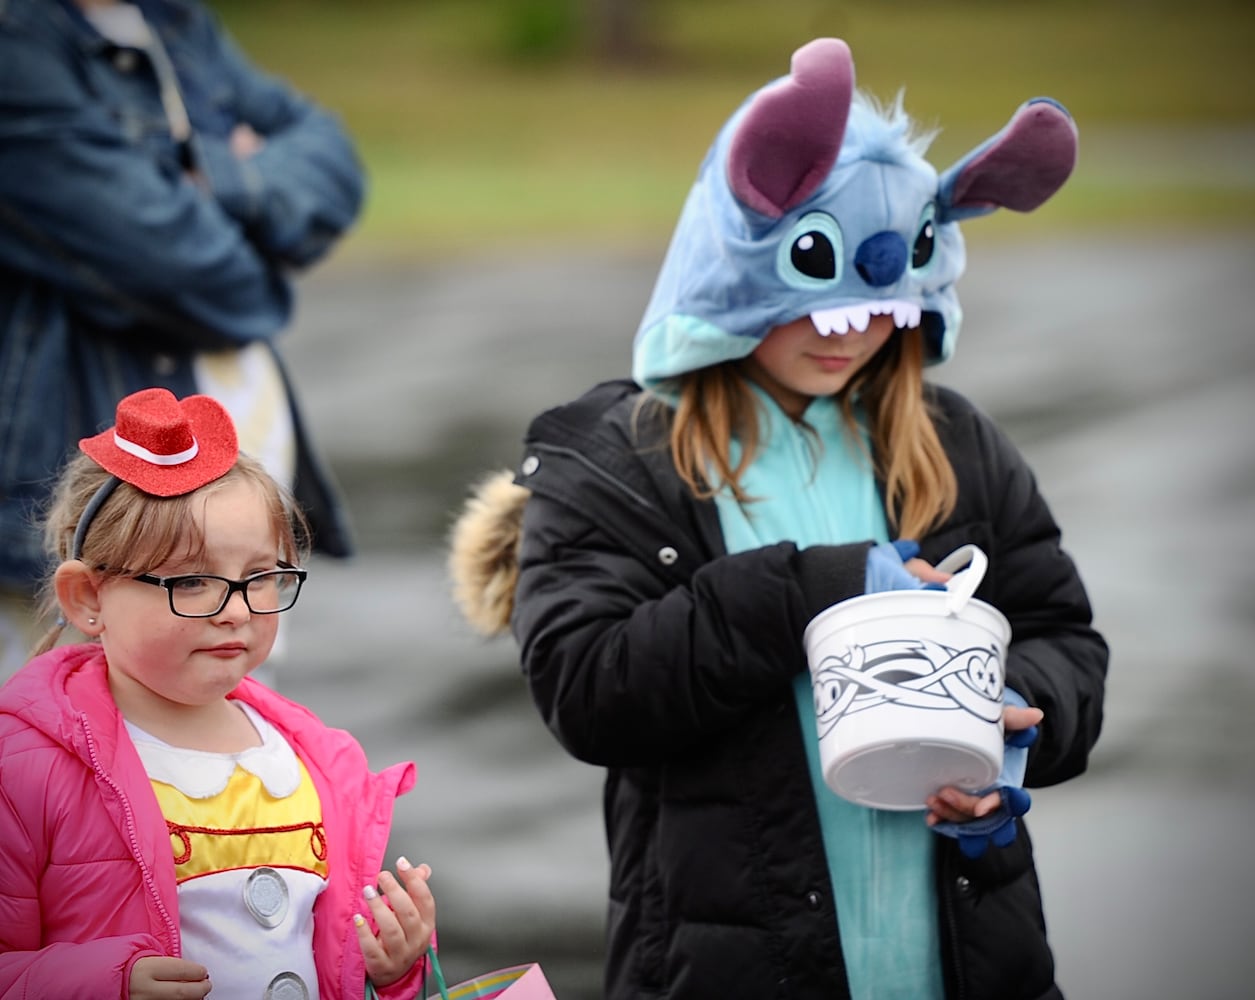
(91,621)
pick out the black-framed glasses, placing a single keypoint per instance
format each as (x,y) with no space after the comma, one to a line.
(203,595)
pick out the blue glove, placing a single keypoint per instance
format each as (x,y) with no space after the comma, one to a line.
(886,569)
(998,828)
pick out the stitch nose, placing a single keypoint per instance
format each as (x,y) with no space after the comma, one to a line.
(880,259)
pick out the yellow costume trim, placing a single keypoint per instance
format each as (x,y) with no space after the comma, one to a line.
(244,826)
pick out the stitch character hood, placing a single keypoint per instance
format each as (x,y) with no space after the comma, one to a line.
(813,201)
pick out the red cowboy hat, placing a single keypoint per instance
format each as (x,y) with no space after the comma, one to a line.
(165,446)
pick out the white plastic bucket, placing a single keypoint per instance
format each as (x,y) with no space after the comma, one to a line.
(908,689)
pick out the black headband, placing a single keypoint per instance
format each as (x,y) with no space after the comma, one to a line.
(89,513)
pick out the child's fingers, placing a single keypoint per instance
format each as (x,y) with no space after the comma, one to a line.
(923,570)
(410,873)
(955,806)
(1018,717)
(403,911)
(372,950)
(384,951)
(397,896)
(415,882)
(381,909)
(422,925)
(165,976)
(395,914)
(941,811)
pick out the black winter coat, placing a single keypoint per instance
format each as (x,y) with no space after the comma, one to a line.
(652,652)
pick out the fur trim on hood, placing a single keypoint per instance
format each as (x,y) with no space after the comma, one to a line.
(483,552)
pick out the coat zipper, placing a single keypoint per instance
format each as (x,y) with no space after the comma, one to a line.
(946,891)
(149,882)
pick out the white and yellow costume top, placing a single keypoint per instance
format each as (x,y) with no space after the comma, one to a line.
(250,858)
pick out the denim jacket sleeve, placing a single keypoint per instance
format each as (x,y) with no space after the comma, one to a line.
(95,200)
(304,188)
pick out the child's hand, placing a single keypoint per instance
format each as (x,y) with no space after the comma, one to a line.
(164,978)
(897,566)
(406,917)
(953,805)
(244,142)
(923,570)
(988,817)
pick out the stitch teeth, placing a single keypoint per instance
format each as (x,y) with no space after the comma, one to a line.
(828,321)
(842,318)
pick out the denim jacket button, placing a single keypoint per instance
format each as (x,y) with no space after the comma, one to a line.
(125,60)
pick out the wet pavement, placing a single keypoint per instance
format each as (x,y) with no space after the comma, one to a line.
(1123,367)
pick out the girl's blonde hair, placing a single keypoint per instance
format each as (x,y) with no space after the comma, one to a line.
(716,404)
(135,532)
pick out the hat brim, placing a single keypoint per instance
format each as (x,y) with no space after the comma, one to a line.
(217,451)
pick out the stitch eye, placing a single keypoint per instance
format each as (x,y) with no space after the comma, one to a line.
(810,254)
(925,239)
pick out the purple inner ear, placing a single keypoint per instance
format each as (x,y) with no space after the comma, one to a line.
(1023,165)
(790,136)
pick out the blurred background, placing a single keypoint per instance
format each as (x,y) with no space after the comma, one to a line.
(528,159)
(495,124)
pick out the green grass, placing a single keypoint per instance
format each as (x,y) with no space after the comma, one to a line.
(483,129)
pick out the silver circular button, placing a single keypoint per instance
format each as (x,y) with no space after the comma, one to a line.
(530,465)
(286,986)
(667,555)
(266,897)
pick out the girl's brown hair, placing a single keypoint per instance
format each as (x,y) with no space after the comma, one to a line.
(716,405)
(134,532)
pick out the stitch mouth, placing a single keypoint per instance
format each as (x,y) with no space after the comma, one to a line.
(842,318)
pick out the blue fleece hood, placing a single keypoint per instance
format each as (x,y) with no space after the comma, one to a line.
(814,201)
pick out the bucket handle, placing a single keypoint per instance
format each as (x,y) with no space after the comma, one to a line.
(963,583)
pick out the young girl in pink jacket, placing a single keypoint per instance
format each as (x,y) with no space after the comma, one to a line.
(168,825)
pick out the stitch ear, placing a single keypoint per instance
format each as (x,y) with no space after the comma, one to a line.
(791,134)
(1019,168)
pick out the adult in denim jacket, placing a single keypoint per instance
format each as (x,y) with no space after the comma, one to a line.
(133,236)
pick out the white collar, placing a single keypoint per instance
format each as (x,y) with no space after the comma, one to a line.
(201,774)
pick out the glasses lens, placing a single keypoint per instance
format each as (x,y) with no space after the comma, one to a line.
(198,595)
(271,592)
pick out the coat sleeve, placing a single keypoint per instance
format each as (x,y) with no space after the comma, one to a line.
(304,188)
(412,986)
(1057,660)
(628,669)
(98,969)
(91,970)
(112,220)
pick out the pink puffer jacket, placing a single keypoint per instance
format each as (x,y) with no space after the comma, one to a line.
(87,881)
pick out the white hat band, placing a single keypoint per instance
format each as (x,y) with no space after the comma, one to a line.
(139,451)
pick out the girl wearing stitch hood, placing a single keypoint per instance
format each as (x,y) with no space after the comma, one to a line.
(665,541)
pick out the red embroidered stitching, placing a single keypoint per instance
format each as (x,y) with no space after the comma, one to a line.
(317,836)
